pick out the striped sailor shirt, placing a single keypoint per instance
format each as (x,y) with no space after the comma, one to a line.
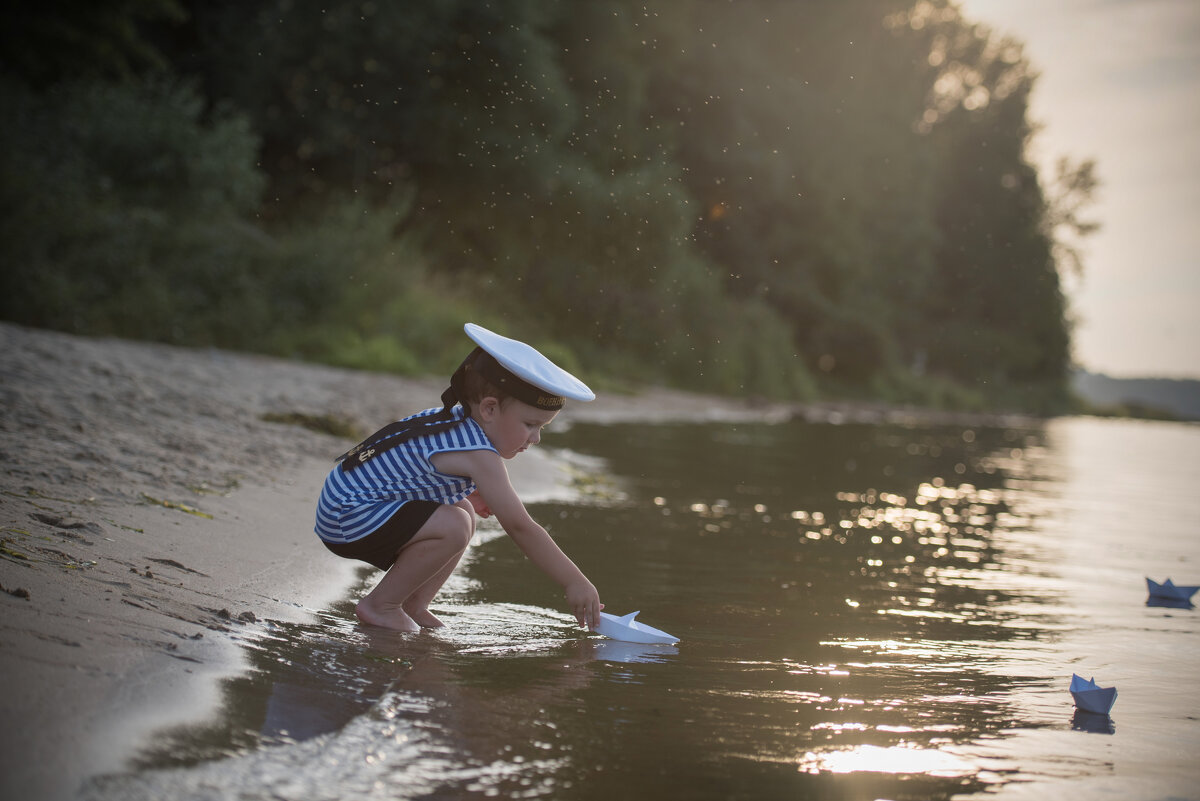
(356,502)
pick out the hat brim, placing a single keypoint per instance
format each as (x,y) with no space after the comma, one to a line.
(529,365)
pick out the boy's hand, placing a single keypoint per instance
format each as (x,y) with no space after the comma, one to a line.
(585,603)
(479,504)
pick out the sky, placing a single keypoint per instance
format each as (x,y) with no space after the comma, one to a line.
(1120,83)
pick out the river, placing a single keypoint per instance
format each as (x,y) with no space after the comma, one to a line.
(864,612)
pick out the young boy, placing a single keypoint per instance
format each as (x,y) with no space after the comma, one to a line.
(405,499)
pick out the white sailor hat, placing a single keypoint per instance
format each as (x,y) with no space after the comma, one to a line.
(538,381)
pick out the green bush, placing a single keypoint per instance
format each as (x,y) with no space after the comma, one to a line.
(121,206)
(751,352)
(127,212)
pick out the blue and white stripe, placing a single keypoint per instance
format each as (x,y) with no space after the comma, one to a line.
(355,503)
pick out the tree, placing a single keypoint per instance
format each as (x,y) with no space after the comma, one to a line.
(996,295)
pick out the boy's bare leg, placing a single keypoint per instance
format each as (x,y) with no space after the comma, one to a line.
(417,604)
(439,543)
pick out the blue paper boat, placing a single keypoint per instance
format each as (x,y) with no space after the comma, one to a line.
(1169,591)
(627,629)
(1090,697)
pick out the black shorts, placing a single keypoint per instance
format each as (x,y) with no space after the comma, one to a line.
(381,546)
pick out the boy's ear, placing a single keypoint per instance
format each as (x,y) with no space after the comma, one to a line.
(488,407)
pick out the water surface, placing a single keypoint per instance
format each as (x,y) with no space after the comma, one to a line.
(865,612)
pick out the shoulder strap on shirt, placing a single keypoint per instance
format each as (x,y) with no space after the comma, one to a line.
(392,435)
(402,431)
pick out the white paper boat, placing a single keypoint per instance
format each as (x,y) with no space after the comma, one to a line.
(1169,591)
(1090,697)
(627,629)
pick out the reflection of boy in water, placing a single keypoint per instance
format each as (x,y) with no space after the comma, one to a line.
(405,499)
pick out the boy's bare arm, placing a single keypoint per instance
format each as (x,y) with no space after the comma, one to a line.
(487,470)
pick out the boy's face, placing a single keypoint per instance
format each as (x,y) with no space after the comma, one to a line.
(512,425)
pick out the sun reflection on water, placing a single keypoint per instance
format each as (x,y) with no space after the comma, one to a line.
(897,759)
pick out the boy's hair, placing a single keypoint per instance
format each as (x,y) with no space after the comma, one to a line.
(475,388)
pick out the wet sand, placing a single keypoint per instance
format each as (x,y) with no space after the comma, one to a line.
(156,505)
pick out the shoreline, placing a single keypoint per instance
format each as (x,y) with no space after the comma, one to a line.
(152,515)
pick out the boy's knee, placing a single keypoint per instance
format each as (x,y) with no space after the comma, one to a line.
(460,526)
(472,520)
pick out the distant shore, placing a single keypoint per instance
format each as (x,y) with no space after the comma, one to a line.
(156,504)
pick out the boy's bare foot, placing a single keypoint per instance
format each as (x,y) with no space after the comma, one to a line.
(395,619)
(424,618)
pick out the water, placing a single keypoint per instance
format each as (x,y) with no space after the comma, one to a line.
(864,612)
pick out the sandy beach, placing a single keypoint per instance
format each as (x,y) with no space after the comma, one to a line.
(156,506)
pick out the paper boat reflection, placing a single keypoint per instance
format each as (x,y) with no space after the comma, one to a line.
(1090,697)
(614,651)
(1090,721)
(627,629)
(1168,591)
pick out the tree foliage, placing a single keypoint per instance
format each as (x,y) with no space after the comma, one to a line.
(752,197)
